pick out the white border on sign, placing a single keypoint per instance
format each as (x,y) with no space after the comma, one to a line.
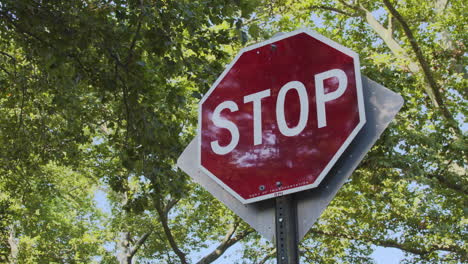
(362,114)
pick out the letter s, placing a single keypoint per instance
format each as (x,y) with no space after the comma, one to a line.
(224,123)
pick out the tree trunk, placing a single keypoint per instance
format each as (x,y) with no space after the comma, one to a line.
(124,255)
(13,243)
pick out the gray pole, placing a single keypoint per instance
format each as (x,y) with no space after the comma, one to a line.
(287,251)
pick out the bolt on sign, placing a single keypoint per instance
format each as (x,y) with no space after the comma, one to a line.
(280,115)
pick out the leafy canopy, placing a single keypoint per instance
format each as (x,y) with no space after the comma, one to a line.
(99,98)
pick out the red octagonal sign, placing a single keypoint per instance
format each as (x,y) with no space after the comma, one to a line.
(280,116)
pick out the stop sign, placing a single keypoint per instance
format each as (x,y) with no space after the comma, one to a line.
(280,116)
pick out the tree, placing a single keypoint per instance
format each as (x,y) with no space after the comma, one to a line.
(101,95)
(104,87)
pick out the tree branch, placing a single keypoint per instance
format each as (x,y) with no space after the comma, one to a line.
(441,5)
(447,184)
(221,247)
(348,5)
(387,36)
(8,55)
(395,244)
(5,70)
(139,243)
(433,88)
(227,242)
(267,257)
(334,9)
(446,41)
(10,20)
(20,118)
(135,37)
(390,26)
(170,205)
(441,180)
(167,231)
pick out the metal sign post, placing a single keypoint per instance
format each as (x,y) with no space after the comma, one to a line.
(287,250)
